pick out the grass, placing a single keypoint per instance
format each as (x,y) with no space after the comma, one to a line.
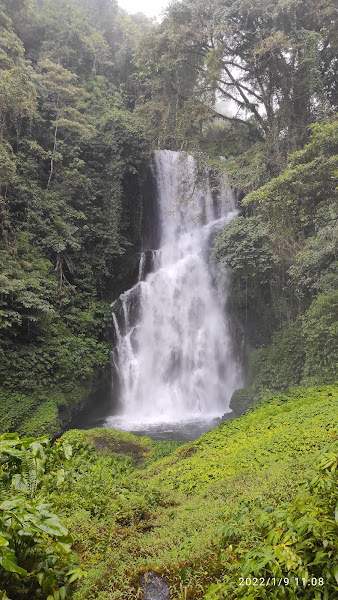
(135,505)
(37,413)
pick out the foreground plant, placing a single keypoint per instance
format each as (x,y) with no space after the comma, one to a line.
(290,552)
(35,548)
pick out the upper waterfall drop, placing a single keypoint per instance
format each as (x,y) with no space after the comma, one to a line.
(173,356)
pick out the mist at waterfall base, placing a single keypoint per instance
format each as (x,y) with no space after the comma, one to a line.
(173,365)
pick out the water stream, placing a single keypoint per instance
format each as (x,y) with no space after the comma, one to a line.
(173,362)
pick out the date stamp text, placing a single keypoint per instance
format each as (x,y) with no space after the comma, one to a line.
(282,581)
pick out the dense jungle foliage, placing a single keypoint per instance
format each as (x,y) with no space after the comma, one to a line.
(254,498)
(283,257)
(72,163)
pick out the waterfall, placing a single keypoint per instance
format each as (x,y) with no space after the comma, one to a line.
(173,357)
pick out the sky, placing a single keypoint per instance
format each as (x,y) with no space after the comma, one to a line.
(151,8)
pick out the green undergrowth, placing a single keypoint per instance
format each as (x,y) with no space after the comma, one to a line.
(254,498)
(197,515)
(38,412)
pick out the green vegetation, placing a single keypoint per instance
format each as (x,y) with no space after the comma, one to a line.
(255,497)
(35,548)
(71,170)
(283,261)
(274,61)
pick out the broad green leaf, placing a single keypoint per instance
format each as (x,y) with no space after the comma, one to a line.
(335,572)
(67,449)
(52,526)
(12,452)
(3,541)
(60,477)
(8,562)
(10,504)
(20,483)
(62,593)
(8,436)
(63,546)
(75,574)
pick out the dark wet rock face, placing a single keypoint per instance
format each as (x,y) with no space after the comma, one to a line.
(226,417)
(154,587)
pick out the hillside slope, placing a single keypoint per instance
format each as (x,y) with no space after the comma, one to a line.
(254,497)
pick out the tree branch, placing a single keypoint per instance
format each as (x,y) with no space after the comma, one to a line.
(228,118)
(246,100)
(244,88)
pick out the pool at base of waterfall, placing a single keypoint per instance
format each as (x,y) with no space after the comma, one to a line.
(98,413)
(185,430)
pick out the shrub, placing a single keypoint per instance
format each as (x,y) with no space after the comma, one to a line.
(35,548)
(320,332)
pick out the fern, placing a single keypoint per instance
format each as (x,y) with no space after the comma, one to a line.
(58,245)
(29,472)
(4,491)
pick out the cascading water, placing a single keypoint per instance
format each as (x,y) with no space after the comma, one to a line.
(173,357)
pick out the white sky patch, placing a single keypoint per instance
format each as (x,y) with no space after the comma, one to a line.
(150,8)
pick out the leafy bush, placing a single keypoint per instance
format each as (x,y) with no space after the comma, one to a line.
(245,247)
(281,364)
(289,552)
(304,352)
(293,202)
(35,548)
(282,254)
(320,334)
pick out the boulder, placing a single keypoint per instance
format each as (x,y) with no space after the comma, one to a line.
(154,587)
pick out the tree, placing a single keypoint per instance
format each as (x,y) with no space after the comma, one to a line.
(60,243)
(17,103)
(17,91)
(265,59)
(60,99)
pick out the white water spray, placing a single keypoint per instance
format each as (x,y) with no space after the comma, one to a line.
(173,356)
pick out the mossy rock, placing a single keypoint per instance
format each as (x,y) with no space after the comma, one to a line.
(242,399)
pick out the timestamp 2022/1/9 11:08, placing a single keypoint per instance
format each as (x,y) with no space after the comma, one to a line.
(282,581)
